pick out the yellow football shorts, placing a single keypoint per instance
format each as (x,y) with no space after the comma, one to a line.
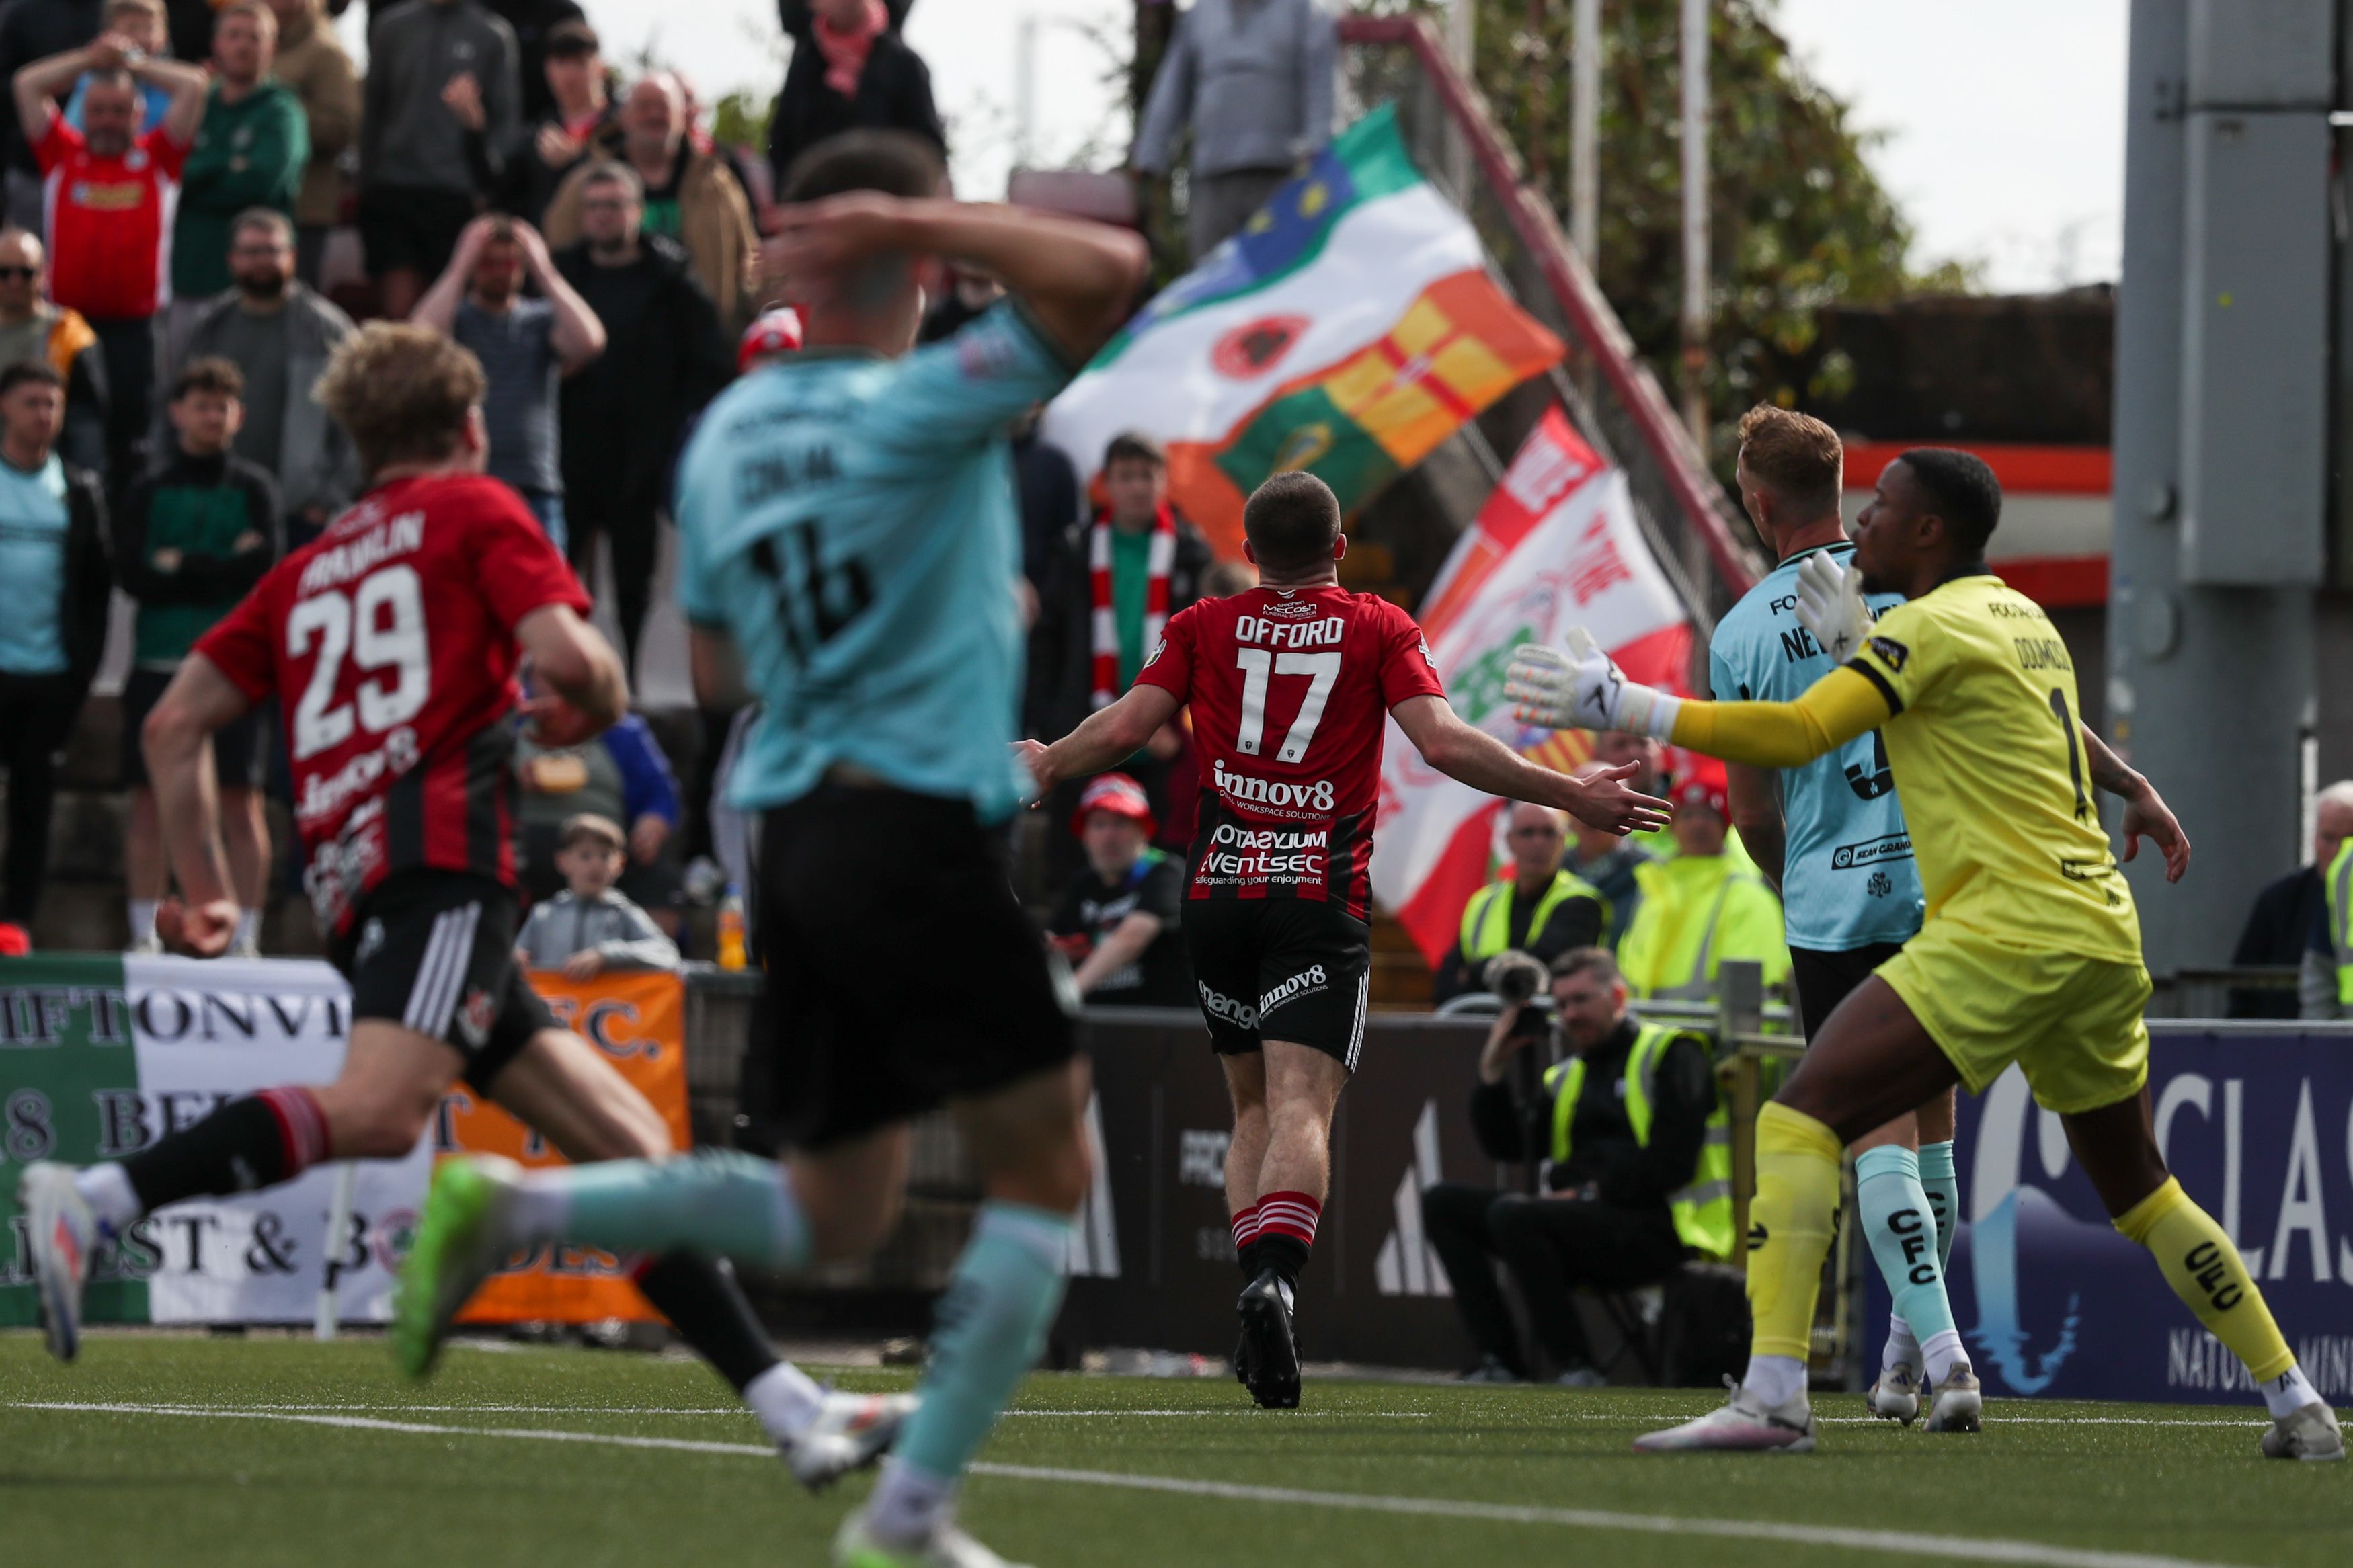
(2073,1024)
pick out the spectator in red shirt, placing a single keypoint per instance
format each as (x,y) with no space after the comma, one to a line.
(108,193)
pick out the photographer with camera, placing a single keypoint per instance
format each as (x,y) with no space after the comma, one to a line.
(1542,911)
(1635,1157)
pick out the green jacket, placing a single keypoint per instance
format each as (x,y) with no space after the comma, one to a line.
(249,153)
(199,507)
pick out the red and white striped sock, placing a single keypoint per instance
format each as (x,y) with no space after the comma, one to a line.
(301,1127)
(1246,1241)
(1286,1233)
(1289,1214)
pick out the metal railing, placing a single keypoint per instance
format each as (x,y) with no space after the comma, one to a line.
(1609,395)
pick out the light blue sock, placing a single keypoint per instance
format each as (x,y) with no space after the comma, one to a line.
(1897,1222)
(1944,1189)
(717,1202)
(991,1327)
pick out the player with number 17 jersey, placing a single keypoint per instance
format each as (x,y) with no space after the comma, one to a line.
(1290,689)
(390,645)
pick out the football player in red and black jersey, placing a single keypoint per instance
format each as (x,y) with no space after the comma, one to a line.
(392,645)
(1292,685)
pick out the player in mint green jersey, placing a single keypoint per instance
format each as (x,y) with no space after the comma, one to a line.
(849,544)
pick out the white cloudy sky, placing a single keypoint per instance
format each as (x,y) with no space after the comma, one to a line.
(2005,117)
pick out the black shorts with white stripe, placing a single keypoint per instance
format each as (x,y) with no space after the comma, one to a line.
(433,951)
(1279,969)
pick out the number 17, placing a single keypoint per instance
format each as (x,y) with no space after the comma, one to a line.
(1256,664)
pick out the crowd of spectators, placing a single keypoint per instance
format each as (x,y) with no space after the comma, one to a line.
(175,170)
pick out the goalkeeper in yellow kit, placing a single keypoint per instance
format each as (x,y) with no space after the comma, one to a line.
(2031,949)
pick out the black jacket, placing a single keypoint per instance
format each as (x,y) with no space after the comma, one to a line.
(522,184)
(664,369)
(2279,929)
(1601,1139)
(34,30)
(530,19)
(1062,645)
(894,93)
(89,583)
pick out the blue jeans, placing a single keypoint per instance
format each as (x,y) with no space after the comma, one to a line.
(548,507)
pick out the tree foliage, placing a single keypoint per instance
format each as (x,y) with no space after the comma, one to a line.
(1797,219)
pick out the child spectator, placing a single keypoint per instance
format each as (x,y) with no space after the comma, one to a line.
(142,22)
(590,928)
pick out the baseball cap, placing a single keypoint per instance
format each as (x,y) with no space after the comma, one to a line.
(571,37)
(777,332)
(1703,782)
(1113,793)
(589,824)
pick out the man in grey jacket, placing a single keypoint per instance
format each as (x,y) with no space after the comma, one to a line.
(589,928)
(280,334)
(1254,79)
(443,102)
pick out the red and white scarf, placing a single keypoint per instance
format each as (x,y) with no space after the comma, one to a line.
(1155,597)
(845,53)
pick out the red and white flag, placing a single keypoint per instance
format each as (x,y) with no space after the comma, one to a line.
(1555,546)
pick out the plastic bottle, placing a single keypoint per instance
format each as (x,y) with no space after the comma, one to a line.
(731,929)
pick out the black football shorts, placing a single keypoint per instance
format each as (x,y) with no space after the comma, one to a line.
(1280,969)
(902,972)
(434,951)
(1824,979)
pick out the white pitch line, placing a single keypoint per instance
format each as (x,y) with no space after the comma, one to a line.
(1963,1548)
(1238,1413)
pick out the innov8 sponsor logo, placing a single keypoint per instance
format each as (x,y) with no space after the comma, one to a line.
(1316,796)
(1311,978)
(1217,1004)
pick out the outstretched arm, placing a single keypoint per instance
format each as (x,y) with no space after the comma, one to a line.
(1836,709)
(1470,756)
(2146,813)
(1108,735)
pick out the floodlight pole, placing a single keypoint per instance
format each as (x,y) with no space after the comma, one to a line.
(1585,135)
(1695,238)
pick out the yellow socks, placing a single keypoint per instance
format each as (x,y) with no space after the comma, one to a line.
(2204,1269)
(1790,1223)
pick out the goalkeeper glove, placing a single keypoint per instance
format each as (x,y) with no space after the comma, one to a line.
(1830,605)
(1584,690)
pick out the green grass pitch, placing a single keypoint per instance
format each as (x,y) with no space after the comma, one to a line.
(193,1451)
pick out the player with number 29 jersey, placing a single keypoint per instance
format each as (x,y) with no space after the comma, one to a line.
(390,646)
(1290,689)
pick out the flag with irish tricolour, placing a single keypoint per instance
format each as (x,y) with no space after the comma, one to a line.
(1347,330)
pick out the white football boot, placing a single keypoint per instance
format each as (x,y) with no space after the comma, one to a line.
(1895,1395)
(851,1432)
(2310,1435)
(1742,1424)
(64,1234)
(1959,1405)
(949,1547)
